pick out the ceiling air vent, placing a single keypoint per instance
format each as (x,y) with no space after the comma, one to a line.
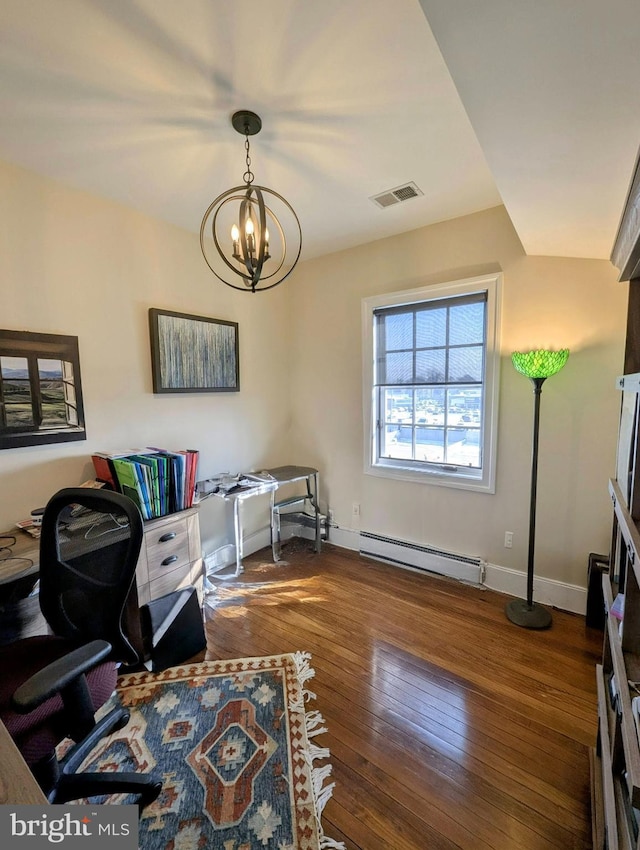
(395,196)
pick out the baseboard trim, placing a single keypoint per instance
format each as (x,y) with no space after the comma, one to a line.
(547,591)
(557,594)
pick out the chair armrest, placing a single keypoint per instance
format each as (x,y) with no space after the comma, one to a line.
(58,675)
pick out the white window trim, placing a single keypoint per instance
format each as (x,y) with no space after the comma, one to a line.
(492,284)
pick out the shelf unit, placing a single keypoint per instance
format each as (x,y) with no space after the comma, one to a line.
(616,758)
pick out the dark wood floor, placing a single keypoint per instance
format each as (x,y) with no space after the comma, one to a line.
(449,727)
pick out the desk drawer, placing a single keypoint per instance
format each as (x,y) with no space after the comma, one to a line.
(167,547)
(170,580)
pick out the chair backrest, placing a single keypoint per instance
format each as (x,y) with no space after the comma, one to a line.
(89,548)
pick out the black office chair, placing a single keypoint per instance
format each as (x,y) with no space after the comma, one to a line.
(89,546)
(52,685)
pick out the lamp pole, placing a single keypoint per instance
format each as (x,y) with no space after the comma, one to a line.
(537,393)
(530,614)
(537,366)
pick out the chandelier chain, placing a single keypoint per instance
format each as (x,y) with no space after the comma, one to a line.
(248,176)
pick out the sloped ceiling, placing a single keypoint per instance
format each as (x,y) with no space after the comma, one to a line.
(536,106)
(552,90)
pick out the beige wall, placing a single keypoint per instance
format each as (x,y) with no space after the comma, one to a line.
(74,264)
(547,302)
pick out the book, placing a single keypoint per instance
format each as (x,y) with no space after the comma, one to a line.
(104,469)
(163,483)
(191,459)
(195,456)
(129,481)
(149,468)
(178,474)
(144,480)
(159,481)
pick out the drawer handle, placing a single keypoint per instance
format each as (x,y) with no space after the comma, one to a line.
(169,560)
(166,537)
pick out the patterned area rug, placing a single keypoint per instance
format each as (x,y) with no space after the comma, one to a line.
(232,743)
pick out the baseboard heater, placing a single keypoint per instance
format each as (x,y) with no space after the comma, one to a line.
(426,558)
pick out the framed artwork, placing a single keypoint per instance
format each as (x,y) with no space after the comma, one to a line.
(193,354)
(40,389)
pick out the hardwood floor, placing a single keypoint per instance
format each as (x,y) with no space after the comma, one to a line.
(449,727)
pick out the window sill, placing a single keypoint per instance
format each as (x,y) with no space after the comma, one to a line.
(438,479)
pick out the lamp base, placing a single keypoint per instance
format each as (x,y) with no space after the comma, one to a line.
(532,616)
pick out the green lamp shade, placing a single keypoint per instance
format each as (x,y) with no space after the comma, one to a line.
(540,363)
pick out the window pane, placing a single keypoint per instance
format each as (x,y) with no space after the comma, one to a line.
(399,368)
(14,367)
(466,324)
(54,409)
(398,331)
(403,443)
(389,438)
(52,394)
(455,406)
(424,406)
(430,444)
(431,327)
(72,415)
(17,392)
(19,415)
(49,370)
(397,405)
(465,364)
(430,366)
(18,410)
(463,447)
(69,394)
(467,407)
(455,436)
(434,405)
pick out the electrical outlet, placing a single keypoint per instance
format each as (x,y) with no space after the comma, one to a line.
(330,517)
(355,509)
(508,539)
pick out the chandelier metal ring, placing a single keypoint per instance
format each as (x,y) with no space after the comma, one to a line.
(253,255)
(208,228)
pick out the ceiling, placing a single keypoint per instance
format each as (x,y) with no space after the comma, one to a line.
(536,107)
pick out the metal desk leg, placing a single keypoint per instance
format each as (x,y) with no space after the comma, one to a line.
(275,527)
(316,504)
(237,531)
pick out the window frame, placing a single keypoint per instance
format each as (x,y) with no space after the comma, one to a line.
(482,480)
(33,347)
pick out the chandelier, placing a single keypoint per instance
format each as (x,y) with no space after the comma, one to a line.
(256,237)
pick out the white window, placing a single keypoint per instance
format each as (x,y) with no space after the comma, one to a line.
(431,368)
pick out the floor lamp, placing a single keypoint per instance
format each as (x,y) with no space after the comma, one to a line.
(538,366)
